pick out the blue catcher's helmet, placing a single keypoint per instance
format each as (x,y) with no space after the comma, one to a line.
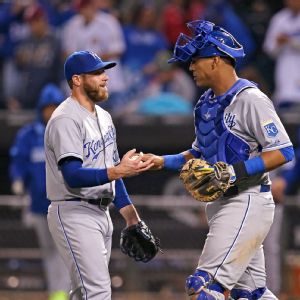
(208,40)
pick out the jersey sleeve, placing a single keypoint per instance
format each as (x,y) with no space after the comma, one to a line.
(65,138)
(263,123)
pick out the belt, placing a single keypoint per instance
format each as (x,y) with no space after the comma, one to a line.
(101,202)
(233,191)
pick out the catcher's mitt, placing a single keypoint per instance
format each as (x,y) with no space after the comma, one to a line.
(138,242)
(206,182)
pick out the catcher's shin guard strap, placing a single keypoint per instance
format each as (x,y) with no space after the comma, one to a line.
(194,283)
(236,294)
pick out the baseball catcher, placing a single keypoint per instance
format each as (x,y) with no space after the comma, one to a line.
(240,138)
(138,242)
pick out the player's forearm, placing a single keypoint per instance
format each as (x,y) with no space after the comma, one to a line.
(130,214)
(267,161)
(115,173)
(273,159)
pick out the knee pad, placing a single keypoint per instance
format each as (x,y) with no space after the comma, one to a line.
(200,280)
(236,294)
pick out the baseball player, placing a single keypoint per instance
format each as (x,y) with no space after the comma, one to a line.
(83,176)
(237,124)
(27,171)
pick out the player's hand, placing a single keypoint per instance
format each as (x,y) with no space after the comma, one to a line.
(158,161)
(131,164)
(278,188)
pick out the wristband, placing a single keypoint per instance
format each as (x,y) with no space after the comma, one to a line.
(288,153)
(174,162)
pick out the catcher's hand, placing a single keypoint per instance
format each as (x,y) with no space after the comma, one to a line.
(138,242)
(206,182)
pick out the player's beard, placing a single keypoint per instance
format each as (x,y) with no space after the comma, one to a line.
(96,94)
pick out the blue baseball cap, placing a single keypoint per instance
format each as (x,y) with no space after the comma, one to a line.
(81,62)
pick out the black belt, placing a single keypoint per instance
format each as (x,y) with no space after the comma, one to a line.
(233,191)
(101,202)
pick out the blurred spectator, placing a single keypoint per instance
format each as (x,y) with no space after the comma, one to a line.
(196,9)
(223,14)
(176,14)
(12,27)
(36,61)
(143,40)
(164,103)
(272,244)
(282,42)
(12,30)
(162,89)
(99,32)
(170,78)
(256,14)
(28,175)
(285,181)
(109,6)
(174,20)
(58,11)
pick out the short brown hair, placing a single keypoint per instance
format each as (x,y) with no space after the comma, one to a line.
(70,84)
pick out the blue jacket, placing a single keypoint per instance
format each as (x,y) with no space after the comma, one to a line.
(28,156)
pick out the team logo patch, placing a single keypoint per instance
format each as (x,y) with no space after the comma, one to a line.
(229,119)
(271,129)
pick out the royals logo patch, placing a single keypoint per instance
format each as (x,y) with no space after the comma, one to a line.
(271,129)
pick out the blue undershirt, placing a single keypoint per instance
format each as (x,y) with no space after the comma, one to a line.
(77,177)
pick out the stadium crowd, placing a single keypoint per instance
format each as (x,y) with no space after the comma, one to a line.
(37,35)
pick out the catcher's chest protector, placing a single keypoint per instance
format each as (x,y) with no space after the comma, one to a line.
(215,141)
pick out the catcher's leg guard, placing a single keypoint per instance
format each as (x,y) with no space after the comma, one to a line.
(201,285)
(238,294)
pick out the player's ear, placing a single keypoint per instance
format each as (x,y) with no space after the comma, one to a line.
(215,62)
(76,80)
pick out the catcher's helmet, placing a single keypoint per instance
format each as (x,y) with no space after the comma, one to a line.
(207,40)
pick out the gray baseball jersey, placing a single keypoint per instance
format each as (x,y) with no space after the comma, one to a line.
(74,131)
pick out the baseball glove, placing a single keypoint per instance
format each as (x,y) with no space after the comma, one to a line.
(206,182)
(138,242)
